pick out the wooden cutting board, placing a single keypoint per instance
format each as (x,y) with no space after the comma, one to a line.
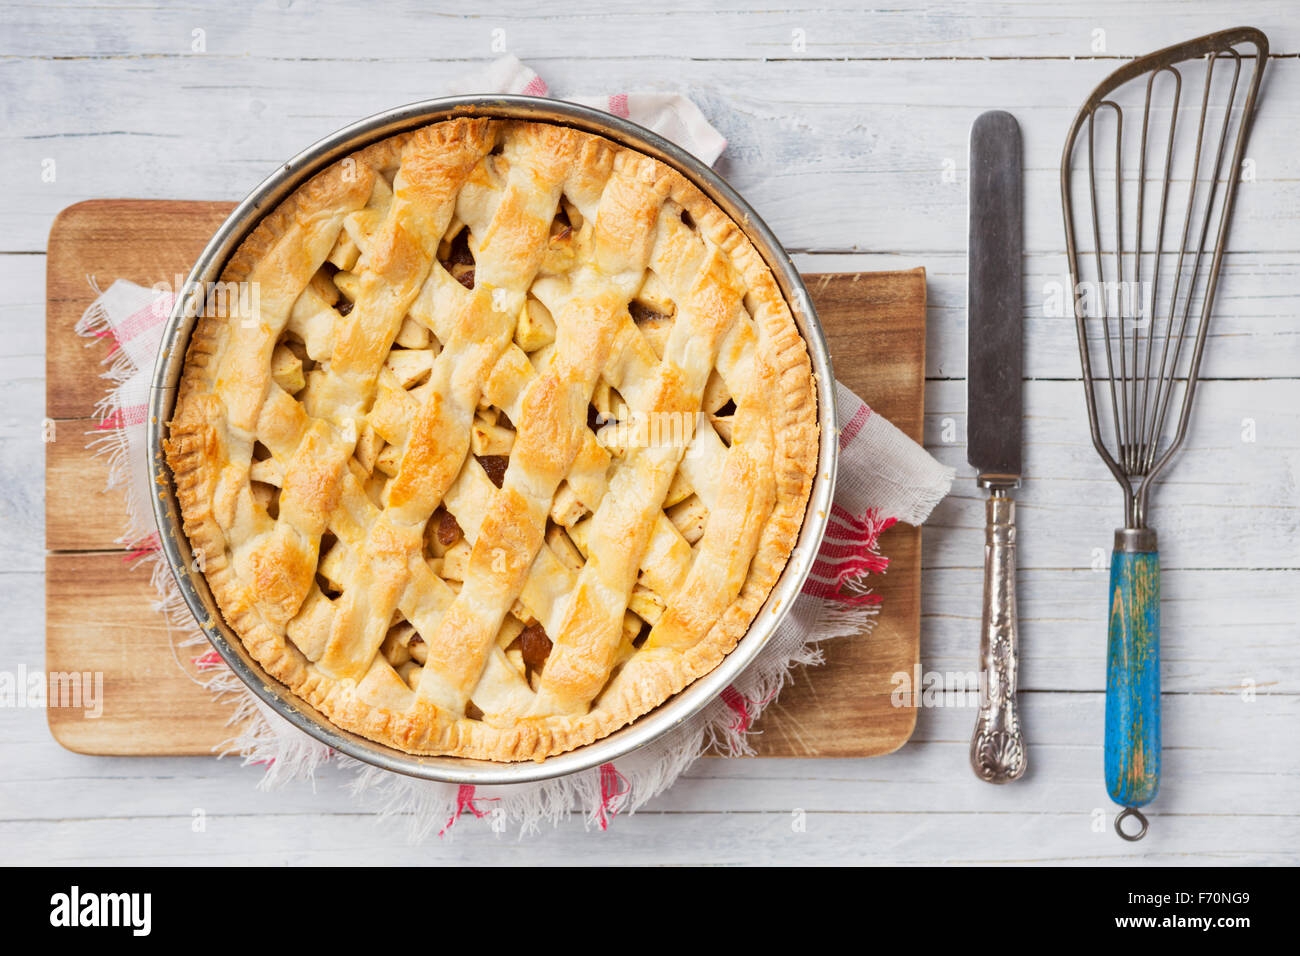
(98,607)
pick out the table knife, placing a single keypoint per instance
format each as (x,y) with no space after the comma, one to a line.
(993,430)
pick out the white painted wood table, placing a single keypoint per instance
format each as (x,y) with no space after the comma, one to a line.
(847,131)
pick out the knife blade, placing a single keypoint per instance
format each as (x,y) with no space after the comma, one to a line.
(993,425)
(993,307)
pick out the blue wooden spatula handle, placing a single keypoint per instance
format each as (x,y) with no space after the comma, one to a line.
(1133,671)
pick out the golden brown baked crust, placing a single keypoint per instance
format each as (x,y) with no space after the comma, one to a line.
(441,304)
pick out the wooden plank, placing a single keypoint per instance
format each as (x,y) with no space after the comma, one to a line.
(1227,500)
(271,836)
(86,243)
(1252,334)
(918,805)
(876,326)
(813,30)
(1207,756)
(81,512)
(844,708)
(1063,627)
(99,621)
(835,155)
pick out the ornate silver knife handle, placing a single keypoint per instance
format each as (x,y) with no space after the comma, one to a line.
(997,750)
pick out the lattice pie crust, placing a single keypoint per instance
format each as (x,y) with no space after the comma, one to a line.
(508,446)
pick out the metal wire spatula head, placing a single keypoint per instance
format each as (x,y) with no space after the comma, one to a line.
(1148,180)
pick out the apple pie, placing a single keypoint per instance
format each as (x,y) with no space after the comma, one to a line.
(508,444)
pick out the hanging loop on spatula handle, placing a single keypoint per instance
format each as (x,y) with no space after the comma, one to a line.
(1133,671)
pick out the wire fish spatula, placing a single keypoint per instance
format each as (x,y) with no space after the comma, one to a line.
(1135,295)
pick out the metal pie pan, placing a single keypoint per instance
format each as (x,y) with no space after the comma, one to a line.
(167,371)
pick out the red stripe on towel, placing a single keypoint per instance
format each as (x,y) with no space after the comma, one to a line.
(850,431)
(124,417)
(612,786)
(849,555)
(465,801)
(152,315)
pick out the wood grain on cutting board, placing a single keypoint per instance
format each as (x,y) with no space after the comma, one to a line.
(98,607)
